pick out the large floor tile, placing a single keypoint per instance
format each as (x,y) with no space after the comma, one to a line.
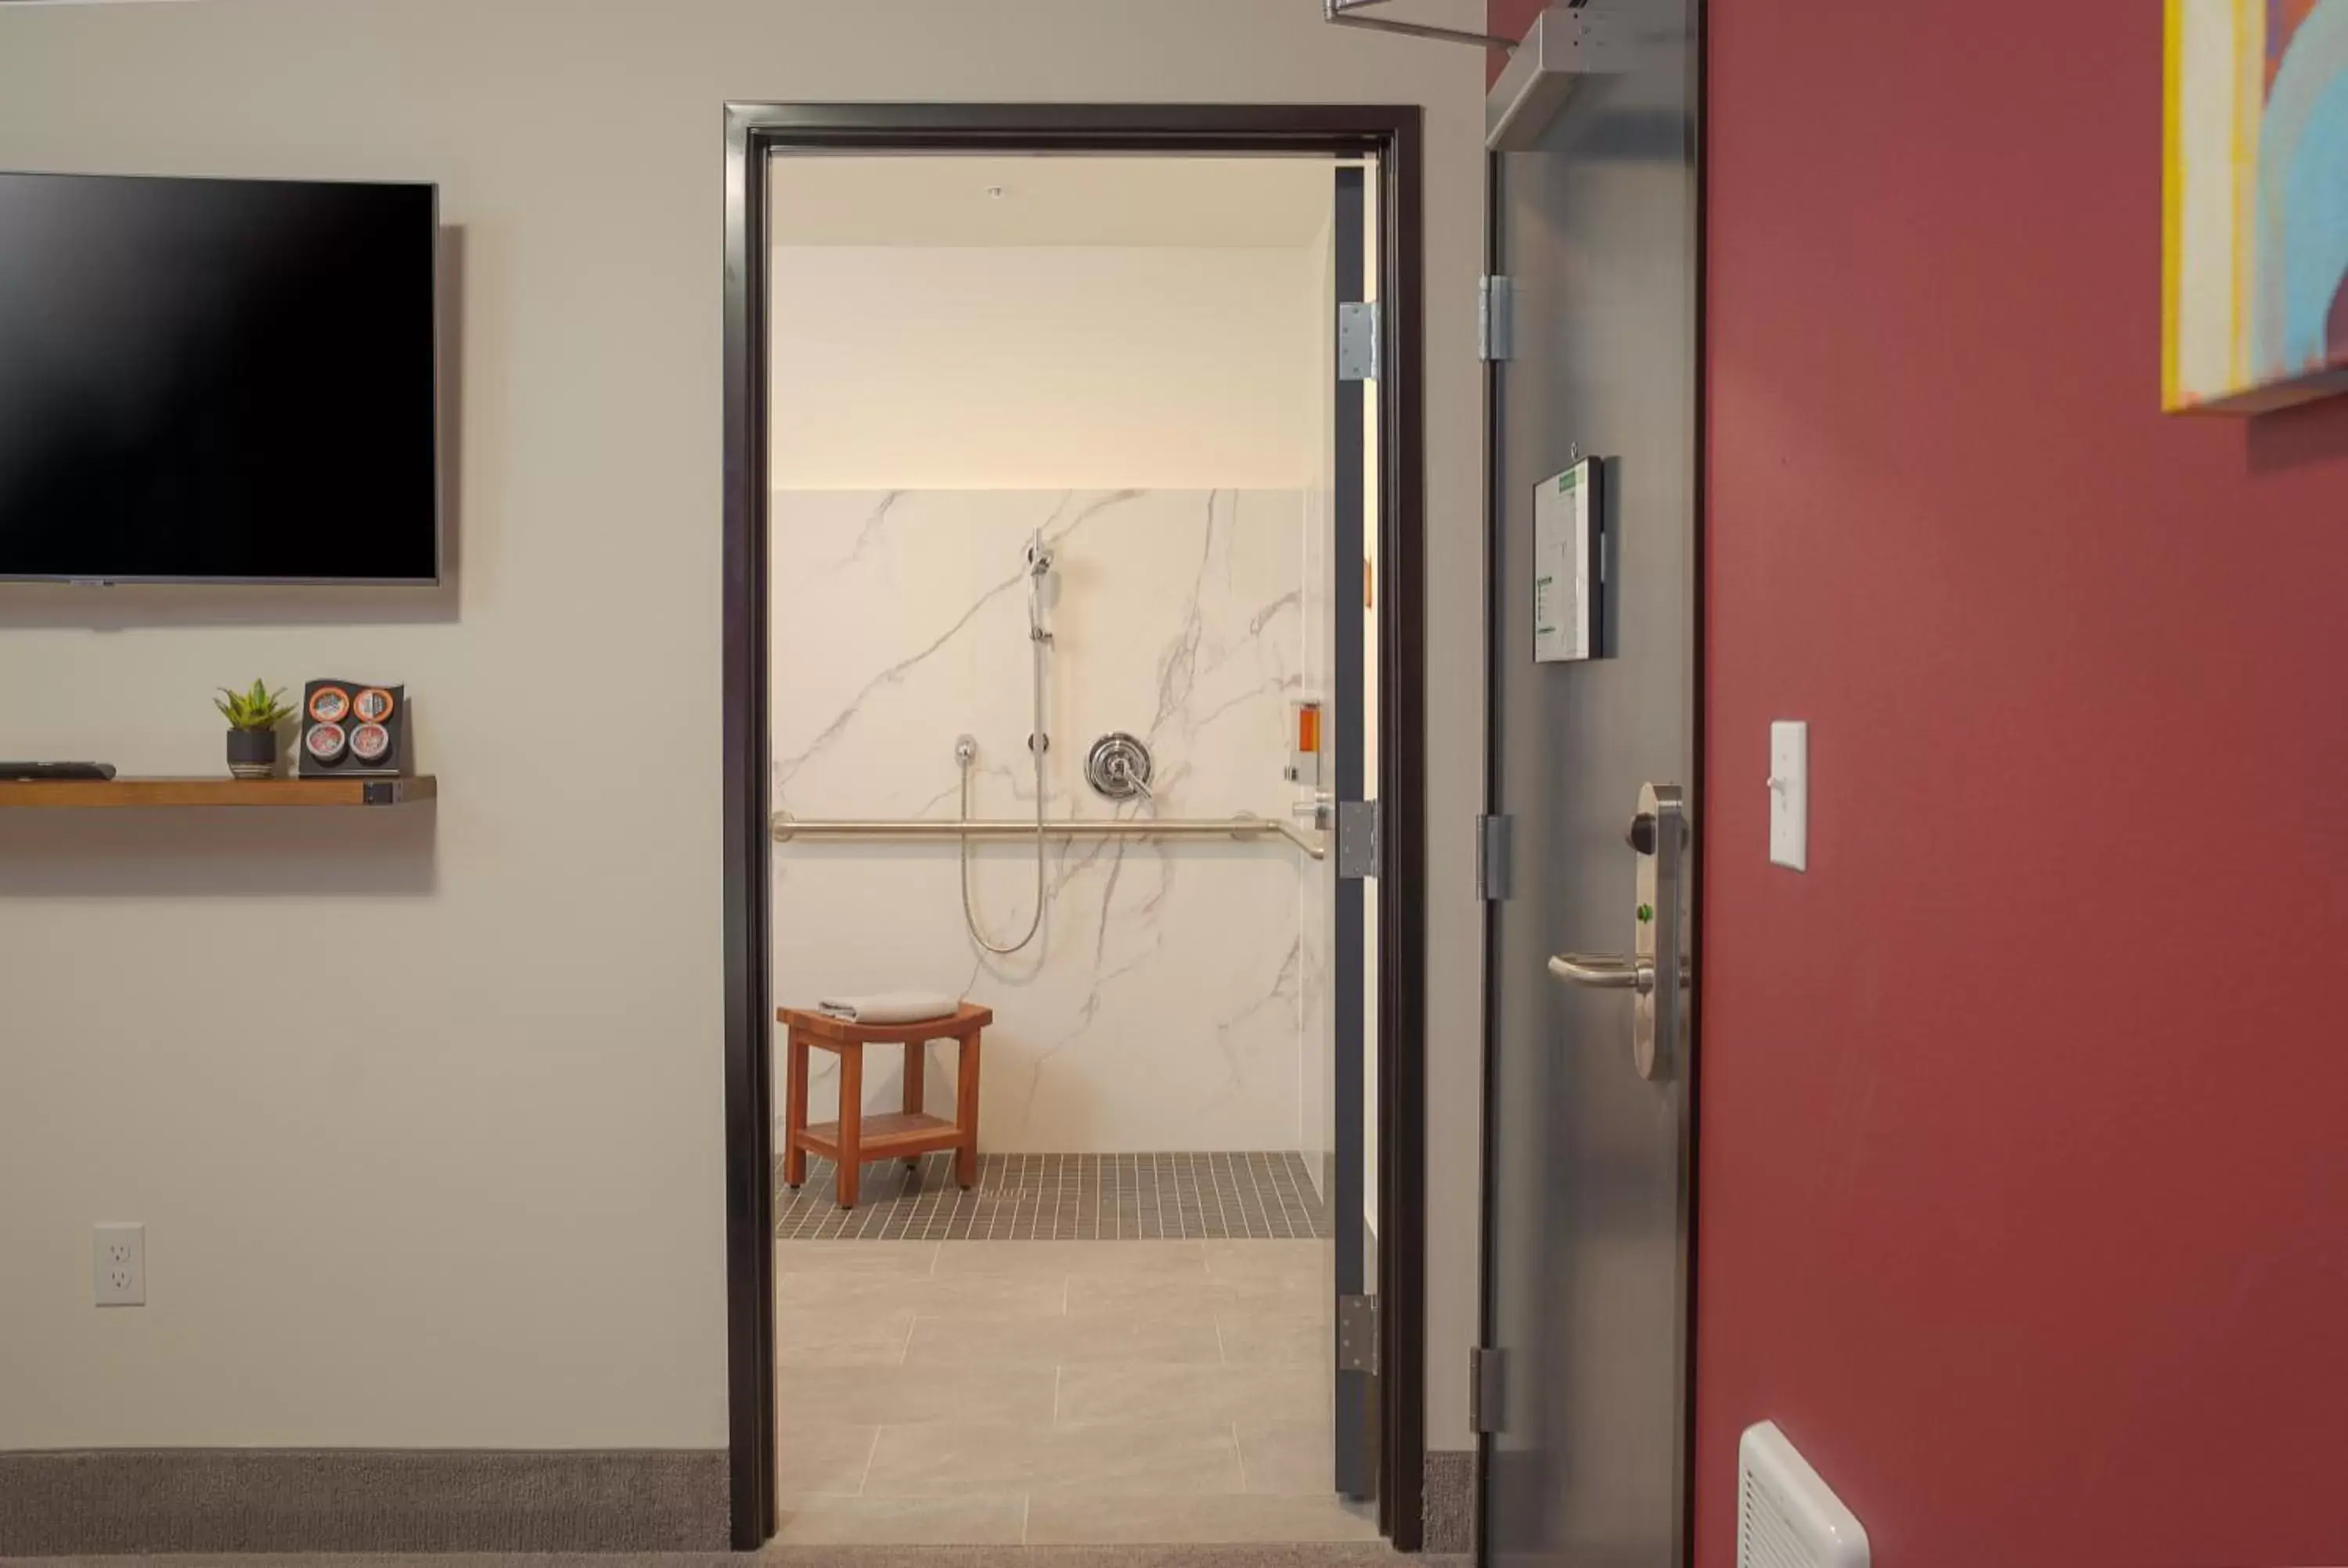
(1068,1257)
(1147,1521)
(1255,1339)
(965,1295)
(901,1395)
(901,1520)
(1284,1457)
(832,1338)
(1123,1392)
(822,1457)
(1062,1341)
(1109,1459)
(1302,1262)
(1314,1303)
(900,1259)
(1110,1292)
(1105,1294)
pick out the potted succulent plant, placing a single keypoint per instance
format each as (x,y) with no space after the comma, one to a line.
(253,720)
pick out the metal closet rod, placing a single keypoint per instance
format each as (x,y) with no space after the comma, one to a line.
(1349,14)
(786,828)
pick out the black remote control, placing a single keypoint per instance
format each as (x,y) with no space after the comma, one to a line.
(28,772)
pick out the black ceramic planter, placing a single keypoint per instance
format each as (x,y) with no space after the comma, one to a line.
(253,753)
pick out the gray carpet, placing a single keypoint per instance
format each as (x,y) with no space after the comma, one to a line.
(357,1499)
(1451,1495)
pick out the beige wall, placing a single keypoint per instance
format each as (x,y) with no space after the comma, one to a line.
(1038,368)
(487,1210)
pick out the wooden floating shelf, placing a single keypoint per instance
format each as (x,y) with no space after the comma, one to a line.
(95,794)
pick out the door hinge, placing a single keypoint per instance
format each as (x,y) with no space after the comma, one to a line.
(1483,1390)
(1358,340)
(1361,832)
(1496,319)
(1357,1334)
(1492,844)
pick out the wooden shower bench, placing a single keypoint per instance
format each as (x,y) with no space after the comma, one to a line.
(907,1134)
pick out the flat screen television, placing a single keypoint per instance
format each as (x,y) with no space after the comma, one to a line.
(218,380)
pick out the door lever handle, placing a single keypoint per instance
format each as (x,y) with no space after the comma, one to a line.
(1610,974)
(1656,972)
(1605,974)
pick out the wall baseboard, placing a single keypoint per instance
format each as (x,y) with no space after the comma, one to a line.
(1451,1498)
(357,1499)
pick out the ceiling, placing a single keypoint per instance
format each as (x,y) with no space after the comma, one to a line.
(930,199)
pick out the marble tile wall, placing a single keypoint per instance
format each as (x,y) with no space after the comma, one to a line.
(1162,1006)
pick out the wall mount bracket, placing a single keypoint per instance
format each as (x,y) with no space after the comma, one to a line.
(1565,45)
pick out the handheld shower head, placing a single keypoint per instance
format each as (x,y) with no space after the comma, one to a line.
(1039,570)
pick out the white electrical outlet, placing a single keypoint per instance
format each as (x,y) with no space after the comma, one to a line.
(121,1257)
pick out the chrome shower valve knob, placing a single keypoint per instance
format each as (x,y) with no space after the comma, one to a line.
(1119,767)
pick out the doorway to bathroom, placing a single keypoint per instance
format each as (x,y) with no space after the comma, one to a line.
(1072,854)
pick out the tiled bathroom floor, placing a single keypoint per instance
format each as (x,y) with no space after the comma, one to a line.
(1071,1197)
(1053,1392)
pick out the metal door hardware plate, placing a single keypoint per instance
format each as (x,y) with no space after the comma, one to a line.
(1659,1013)
(1492,836)
(1496,319)
(1358,835)
(1357,1334)
(1357,340)
(1656,974)
(1484,1386)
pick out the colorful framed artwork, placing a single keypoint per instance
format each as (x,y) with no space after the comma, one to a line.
(2255,280)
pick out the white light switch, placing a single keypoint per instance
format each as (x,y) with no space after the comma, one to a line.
(1789,794)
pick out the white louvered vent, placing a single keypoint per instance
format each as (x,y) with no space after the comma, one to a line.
(1786,1517)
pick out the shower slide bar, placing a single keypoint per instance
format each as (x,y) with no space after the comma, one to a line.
(1247,829)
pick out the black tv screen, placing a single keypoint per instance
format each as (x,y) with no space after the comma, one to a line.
(218,380)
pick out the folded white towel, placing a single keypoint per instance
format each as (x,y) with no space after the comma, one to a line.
(891,1006)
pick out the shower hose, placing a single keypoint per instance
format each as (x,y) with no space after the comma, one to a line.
(1038,742)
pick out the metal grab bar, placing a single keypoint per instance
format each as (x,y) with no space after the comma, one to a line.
(786,827)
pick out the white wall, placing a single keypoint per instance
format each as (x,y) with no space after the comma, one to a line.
(1037,368)
(490,1214)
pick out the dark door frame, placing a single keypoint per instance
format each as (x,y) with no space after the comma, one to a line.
(1393,134)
